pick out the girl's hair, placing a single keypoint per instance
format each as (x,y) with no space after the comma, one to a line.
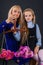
(25,35)
(33,14)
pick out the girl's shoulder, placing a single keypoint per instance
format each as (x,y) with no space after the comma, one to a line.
(37,25)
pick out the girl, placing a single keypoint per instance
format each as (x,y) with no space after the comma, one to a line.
(34,36)
(12,22)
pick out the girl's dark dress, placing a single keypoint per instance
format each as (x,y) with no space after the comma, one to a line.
(32,39)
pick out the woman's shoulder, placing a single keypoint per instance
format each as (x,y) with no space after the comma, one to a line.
(3,21)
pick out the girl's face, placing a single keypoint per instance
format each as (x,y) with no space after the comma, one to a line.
(28,16)
(15,13)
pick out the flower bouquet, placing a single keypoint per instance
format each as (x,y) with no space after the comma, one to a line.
(6,54)
(24,51)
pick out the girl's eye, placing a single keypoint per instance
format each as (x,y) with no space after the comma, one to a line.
(25,15)
(29,15)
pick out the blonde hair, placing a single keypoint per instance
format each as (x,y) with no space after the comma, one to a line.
(20,19)
(33,14)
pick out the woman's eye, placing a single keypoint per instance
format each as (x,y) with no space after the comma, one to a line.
(15,11)
(18,11)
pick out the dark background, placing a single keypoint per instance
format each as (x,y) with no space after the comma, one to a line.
(36,5)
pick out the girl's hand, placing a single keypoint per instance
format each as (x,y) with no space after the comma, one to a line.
(36,49)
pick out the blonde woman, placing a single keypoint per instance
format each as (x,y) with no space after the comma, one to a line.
(13,21)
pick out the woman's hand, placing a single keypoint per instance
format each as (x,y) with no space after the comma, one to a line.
(36,49)
(10,19)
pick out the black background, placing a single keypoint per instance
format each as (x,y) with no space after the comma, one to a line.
(36,5)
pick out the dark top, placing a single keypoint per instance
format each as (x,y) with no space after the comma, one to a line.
(11,42)
(32,39)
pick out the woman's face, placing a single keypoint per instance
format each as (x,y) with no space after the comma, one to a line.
(28,16)
(15,13)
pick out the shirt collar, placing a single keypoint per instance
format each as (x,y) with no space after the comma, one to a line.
(30,24)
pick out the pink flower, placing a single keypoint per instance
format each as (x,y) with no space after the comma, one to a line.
(26,49)
(3,53)
(16,54)
(28,54)
(21,47)
(10,55)
(6,54)
(21,53)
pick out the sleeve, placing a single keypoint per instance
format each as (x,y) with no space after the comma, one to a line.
(38,35)
(17,35)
